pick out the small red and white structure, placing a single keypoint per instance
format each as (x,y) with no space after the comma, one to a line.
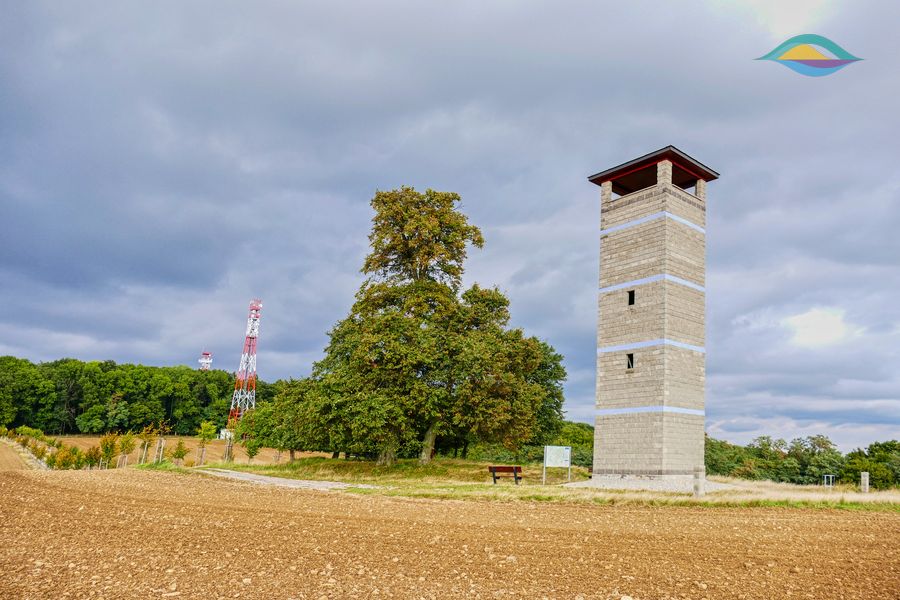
(244,397)
(205,360)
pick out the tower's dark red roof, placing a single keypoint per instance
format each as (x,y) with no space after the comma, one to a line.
(637,174)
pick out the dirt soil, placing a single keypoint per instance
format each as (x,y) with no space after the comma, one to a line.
(127,533)
(10,459)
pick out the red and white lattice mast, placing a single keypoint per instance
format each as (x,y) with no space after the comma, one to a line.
(244,396)
(205,360)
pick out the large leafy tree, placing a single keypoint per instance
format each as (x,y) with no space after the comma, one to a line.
(289,422)
(419,236)
(416,359)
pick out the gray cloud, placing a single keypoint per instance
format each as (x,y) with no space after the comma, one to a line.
(161,164)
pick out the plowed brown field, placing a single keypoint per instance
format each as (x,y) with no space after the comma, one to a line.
(138,534)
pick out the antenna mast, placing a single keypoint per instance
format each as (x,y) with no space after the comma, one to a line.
(205,360)
(244,397)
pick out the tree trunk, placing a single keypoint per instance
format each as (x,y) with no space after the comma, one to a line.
(428,444)
(387,456)
(336,455)
(292,455)
(465,451)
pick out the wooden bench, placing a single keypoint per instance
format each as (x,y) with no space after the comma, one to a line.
(516,472)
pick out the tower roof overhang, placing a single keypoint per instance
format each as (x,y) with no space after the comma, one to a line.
(638,173)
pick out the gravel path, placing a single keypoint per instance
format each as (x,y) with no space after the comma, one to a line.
(128,533)
(283,482)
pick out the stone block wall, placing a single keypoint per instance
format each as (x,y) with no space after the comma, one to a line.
(633,253)
(648,444)
(650,417)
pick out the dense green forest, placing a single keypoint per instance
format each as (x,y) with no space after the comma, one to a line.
(72,396)
(804,461)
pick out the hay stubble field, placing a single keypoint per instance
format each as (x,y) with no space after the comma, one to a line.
(9,458)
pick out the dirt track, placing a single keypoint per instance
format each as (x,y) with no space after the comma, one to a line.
(10,459)
(138,534)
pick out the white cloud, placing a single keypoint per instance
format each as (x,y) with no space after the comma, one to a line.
(819,327)
(787,19)
(846,436)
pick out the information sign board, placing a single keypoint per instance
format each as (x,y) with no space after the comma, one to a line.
(558,456)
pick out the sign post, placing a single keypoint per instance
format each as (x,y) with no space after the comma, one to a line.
(557,456)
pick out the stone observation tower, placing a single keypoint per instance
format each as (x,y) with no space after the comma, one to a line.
(651,366)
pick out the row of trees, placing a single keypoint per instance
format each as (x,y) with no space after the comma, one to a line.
(111,451)
(804,461)
(72,396)
(57,455)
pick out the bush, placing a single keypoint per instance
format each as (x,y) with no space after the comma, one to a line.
(108,445)
(3,430)
(31,432)
(880,476)
(582,455)
(179,451)
(252,447)
(65,459)
(126,443)
(146,435)
(78,461)
(92,456)
(206,433)
(38,449)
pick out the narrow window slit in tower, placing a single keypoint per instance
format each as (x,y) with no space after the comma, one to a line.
(630,297)
(629,364)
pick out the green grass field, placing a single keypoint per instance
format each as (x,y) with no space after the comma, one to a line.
(442,471)
(453,479)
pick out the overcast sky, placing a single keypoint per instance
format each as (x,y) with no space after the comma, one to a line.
(161,163)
